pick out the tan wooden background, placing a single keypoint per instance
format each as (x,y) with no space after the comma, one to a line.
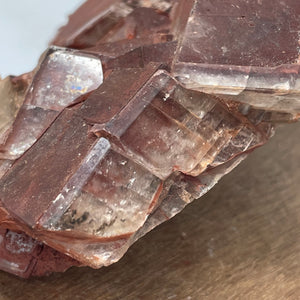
(240,241)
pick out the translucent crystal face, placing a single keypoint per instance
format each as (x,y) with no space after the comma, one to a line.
(63,76)
(258,55)
(60,79)
(17,245)
(256,34)
(118,157)
(114,202)
(117,136)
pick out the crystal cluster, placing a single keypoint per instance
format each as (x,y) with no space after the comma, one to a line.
(138,108)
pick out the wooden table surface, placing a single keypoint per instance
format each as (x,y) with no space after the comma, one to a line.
(240,241)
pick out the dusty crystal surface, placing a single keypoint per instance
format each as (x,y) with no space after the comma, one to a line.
(139,108)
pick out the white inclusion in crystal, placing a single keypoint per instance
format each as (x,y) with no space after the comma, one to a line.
(14,265)
(201,114)
(9,266)
(166,97)
(224,49)
(60,197)
(131,181)
(18,149)
(123,202)
(19,243)
(106,255)
(102,258)
(174,211)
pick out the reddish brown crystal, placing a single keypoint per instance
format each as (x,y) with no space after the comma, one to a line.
(24,256)
(87,167)
(247,51)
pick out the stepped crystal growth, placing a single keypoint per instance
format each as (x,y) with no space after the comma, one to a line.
(139,108)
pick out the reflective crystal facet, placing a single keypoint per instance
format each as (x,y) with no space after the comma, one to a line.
(61,78)
(145,108)
(244,51)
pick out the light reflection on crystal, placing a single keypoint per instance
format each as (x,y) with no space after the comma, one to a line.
(189,89)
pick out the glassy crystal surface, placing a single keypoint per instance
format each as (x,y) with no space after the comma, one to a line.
(247,52)
(60,79)
(145,108)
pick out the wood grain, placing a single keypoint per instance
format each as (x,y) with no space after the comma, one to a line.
(240,241)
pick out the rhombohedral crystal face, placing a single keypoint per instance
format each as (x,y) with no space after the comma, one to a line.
(137,109)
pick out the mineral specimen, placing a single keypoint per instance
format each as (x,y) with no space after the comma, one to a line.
(138,108)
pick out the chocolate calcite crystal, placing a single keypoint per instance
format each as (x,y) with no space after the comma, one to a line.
(139,108)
